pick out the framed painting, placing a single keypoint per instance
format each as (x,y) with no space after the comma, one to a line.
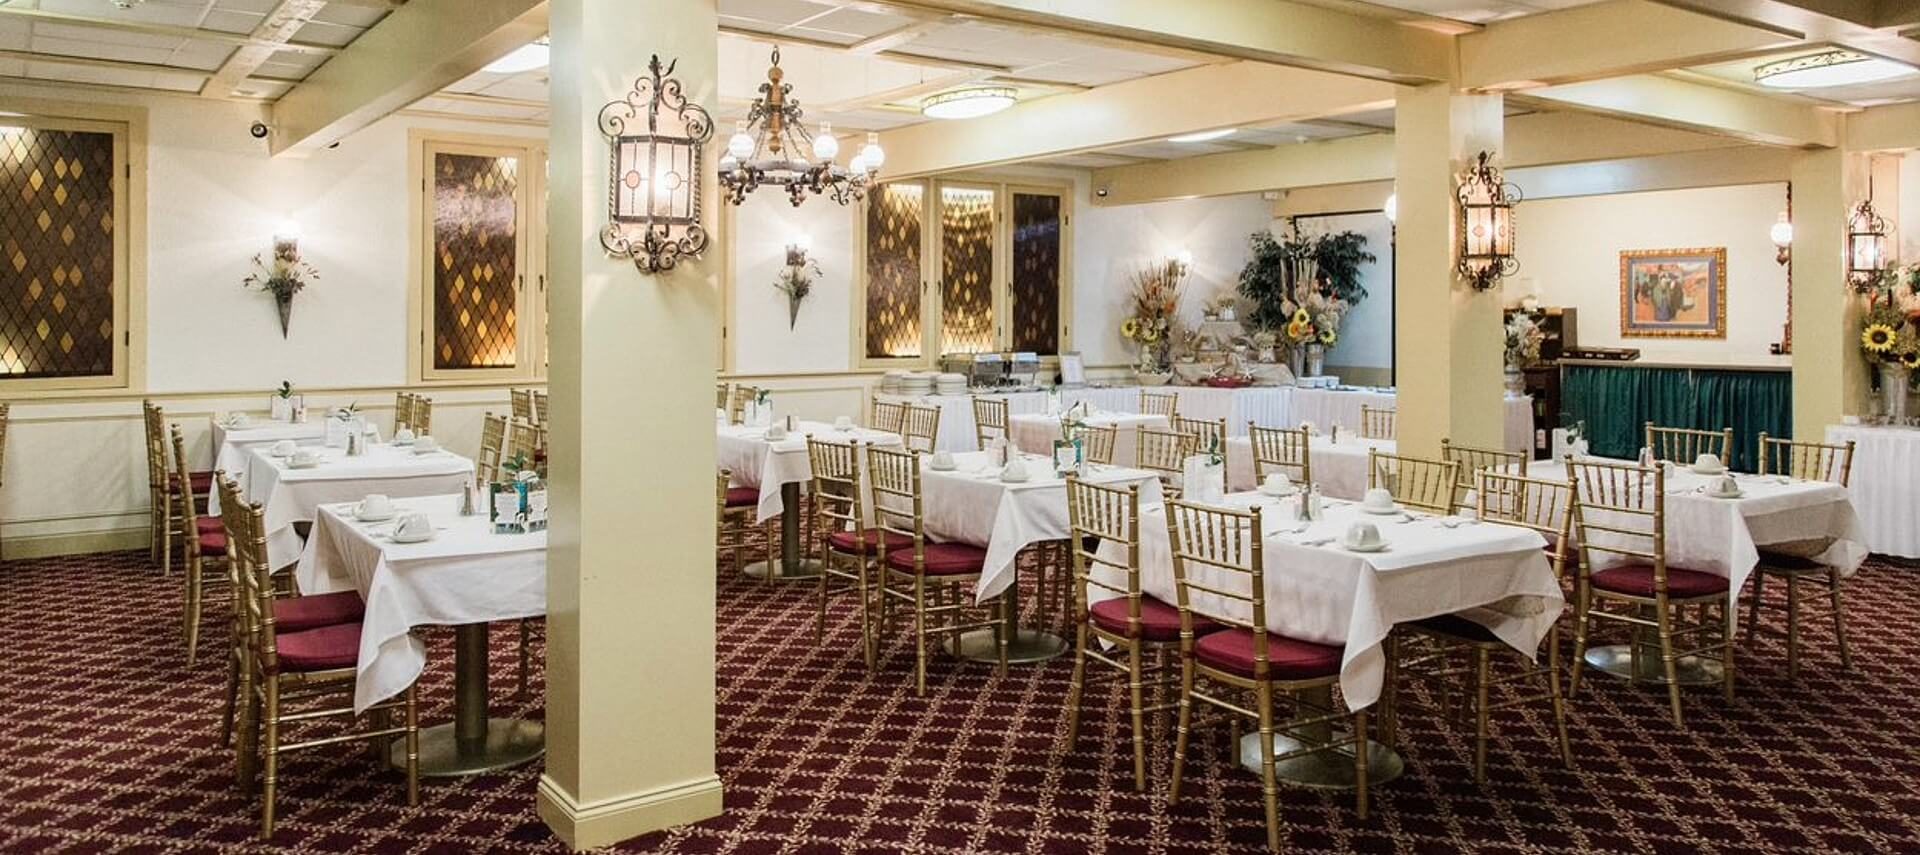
(1673,293)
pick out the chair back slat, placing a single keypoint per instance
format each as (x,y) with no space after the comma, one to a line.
(721,390)
(921,430)
(1684,445)
(1099,441)
(1416,482)
(837,495)
(422,420)
(1536,503)
(1810,461)
(493,440)
(737,405)
(185,508)
(523,404)
(989,420)
(1160,404)
(1164,453)
(1377,422)
(1218,568)
(893,476)
(1109,516)
(891,418)
(1286,451)
(1474,461)
(1208,435)
(1620,509)
(540,408)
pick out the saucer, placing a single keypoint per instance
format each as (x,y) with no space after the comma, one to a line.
(1354,547)
(361,515)
(280,454)
(1717,470)
(426,450)
(399,441)
(1018,479)
(292,464)
(1733,495)
(939,468)
(1267,491)
(1380,511)
(397,537)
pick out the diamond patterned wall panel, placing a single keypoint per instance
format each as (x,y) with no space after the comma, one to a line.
(1036,273)
(476,263)
(894,226)
(966,270)
(56,253)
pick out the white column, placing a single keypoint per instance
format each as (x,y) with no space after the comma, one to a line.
(630,656)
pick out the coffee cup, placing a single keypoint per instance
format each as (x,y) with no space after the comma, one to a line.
(237,420)
(1377,499)
(1707,463)
(1362,535)
(776,431)
(404,434)
(283,448)
(415,526)
(1015,471)
(1277,483)
(1726,486)
(306,457)
(943,460)
(843,423)
(423,444)
(376,506)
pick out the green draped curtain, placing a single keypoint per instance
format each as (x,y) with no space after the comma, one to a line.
(1616,402)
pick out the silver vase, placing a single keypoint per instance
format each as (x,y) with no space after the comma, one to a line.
(1893,391)
(1316,359)
(1297,360)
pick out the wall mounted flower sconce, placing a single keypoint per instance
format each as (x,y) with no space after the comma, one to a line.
(655,137)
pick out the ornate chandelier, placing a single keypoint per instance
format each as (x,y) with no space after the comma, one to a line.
(771,146)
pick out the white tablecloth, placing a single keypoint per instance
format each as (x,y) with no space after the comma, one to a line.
(1268,406)
(1340,468)
(757,462)
(466,574)
(1724,536)
(1886,463)
(1496,575)
(230,444)
(956,414)
(290,495)
(1035,434)
(1324,408)
(972,505)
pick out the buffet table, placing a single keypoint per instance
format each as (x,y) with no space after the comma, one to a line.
(1881,483)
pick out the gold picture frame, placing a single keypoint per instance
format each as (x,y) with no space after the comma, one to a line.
(1673,293)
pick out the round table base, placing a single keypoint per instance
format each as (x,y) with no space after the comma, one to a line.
(805,570)
(1615,659)
(510,742)
(1327,770)
(1026,646)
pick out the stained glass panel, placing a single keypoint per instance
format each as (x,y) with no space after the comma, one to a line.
(966,270)
(476,260)
(56,253)
(1036,272)
(894,223)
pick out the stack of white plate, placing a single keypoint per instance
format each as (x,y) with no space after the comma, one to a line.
(890,382)
(916,383)
(951,384)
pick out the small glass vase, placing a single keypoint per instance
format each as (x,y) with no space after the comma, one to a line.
(1893,391)
(1316,359)
(1516,381)
(1297,360)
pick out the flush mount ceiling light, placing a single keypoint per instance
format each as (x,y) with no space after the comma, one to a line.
(969,103)
(1832,68)
(1203,136)
(526,57)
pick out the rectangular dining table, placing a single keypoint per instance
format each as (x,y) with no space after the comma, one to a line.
(1338,466)
(291,495)
(780,469)
(230,442)
(466,577)
(1035,433)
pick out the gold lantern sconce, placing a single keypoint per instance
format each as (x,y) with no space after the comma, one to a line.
(1486,224)
(1866,244)
(656,138)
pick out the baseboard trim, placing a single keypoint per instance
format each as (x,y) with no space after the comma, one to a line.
(74,543)
(610,821)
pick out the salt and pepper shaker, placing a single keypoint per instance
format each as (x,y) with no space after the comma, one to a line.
(466,499)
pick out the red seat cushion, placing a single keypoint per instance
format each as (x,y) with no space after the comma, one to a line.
(320,649)
(213,543)
(1770,560)
(202,482)
(1158,621)
(303,613)
(742,497)
(1458,627)
(943,559)
(1287,658)
(210,524)
(854,543)
(1637,580)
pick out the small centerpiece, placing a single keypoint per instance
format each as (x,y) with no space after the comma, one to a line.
(1523,351)
(517,504)
(283,276)
(796,281)
(1155,312)
(1070,450)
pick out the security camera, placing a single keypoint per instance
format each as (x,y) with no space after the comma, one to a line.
(259,130)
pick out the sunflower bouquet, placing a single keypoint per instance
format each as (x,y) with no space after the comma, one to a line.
(1154,311)
(1884,335)
(1315,316)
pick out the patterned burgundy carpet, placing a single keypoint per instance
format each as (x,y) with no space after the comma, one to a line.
(107,743)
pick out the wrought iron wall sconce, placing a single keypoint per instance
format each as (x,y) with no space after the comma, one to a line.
(1486,224)
(653,201)
(1866,244)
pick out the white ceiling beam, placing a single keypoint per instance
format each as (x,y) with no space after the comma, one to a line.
(1141,110)
(907,57)
(1604,40)
(1532,140)
(1823,22)
(273,31)
(895,37)
(97,62)
(1277,31)
(422,48)
(124,25)
(1888,128)
(1675,103)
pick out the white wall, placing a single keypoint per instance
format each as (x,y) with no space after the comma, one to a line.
(820,339)
(1570,256)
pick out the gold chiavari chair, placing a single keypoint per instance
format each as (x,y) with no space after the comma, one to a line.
(1283,450)
(1504,499)
(1473,461)
(493,440)
(1160,404)
(721,391)
(1796,563)
(165,486)
(1165,453)
(1099,441)
(852,545)
(1377,422)
(1207,435)
(205,549)
(921,428)
(1620,511)
(523,443)
(1127,625)
(989,420)
(540,408)
(1685,445)
(736,508)
(290,613)
(422,421)
(403,411)
(298,678)
(1416,482)
(891,418)
(935,581)
(523,403)
(737,405)
(1219,574)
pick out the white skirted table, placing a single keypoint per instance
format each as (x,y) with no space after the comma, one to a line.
(780,469)
(1339,467)
(291,495)
(230,443)
(1885,461)
(465,577)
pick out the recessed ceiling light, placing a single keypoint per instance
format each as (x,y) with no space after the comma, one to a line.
(526,57)
(1203,136)
(1832,68)
(970,103)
